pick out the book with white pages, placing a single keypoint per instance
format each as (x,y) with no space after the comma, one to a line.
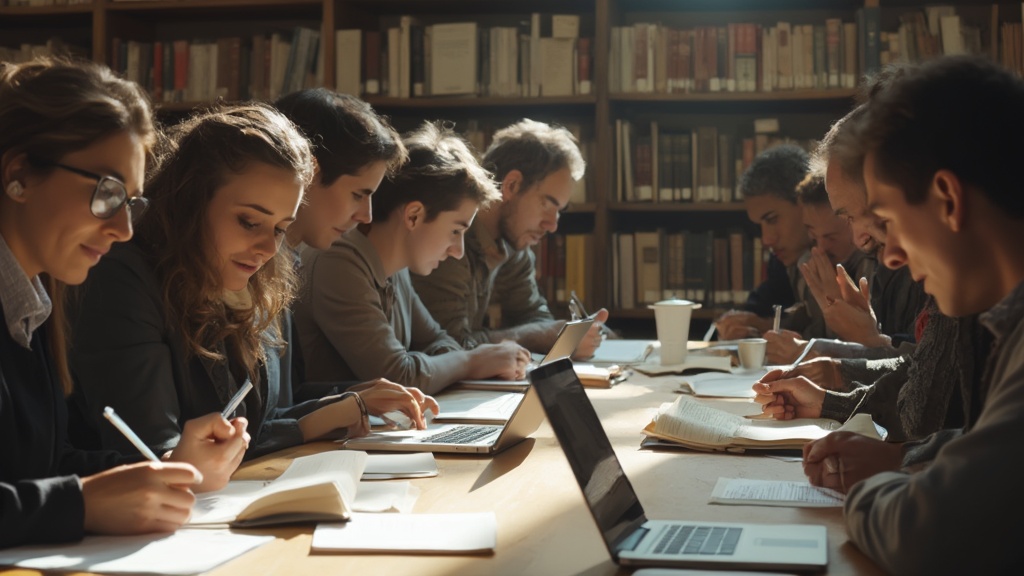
(624,351)
(179,553)
(470,533)
(695,362)
(317,488)
(568,339)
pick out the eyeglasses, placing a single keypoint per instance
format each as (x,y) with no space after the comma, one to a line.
(109,196)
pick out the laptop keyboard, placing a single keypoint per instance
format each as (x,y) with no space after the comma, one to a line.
(459,435)
(684,539)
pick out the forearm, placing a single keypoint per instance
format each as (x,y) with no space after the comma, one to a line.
(329,420)
(41,511)
(535,337)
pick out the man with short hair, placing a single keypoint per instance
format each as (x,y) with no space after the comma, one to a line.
(536,165)
(769,195)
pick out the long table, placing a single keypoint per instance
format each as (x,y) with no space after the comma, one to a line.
(543,524)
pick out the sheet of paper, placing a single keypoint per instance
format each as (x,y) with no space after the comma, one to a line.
(475,532)
(386,497)
(721,385)
(623,351)
(774,493)
(477,405)
(183,552)
(387,466)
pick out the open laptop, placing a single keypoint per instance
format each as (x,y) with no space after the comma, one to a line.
(631,538)
(569,338)
(466,438)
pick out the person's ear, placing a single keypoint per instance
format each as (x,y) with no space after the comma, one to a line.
(415,214)
(14,169)
(947,192)
(511,184)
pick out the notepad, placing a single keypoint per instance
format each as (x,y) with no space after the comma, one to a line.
(313,488)
(389,466)
(182,552)
(624,351)
(740,491)
(722,385)
(410,534)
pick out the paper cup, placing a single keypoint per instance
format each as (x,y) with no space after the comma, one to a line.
(672,318)
(751,353)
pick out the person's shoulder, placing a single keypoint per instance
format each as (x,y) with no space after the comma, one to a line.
(126,264)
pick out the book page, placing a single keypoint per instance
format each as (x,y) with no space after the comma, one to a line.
(721,385)
(653,366)
(692,421)
(774,493)
(770,430)
(413,533)
(387,466)
(182,552)
(623,351)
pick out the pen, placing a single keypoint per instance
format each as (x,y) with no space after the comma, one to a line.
(109,414)
(236,399)
(710,333)
(778,318)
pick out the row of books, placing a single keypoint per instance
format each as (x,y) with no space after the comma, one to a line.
(43,2)
(26,52)
(718,270)
(261,67)
(565,263)
(741,57)
(465,58)
(660,164)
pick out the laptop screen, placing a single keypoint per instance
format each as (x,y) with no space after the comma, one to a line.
(608,493)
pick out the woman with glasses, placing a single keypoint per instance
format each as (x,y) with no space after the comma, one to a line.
(73,146)
(174,323)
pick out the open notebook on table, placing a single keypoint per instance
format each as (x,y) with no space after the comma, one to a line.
(634,540)
(569,338)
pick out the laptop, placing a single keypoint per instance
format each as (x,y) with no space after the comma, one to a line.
(460,438)
(569,338)
(634,540)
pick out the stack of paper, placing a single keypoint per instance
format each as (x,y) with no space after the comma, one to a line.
(410,533)
(774,493)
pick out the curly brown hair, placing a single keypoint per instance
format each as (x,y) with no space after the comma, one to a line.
(197,158)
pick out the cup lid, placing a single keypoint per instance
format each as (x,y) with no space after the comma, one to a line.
(676,302)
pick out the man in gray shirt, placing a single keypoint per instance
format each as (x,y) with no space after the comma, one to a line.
(949,194)
(536,165)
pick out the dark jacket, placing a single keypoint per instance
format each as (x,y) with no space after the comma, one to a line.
(126,355)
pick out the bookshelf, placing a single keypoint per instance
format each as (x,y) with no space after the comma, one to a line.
(98,28)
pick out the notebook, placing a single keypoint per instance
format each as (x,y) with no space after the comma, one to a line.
(569,338)
(467,438)
(631,538)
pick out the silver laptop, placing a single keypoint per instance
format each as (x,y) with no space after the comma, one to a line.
(569,338)
(466,438)
(631,538)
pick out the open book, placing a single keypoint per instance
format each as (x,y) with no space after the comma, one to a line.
(696,425)
(314,488)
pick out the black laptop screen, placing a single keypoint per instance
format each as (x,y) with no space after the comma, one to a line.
(609,494)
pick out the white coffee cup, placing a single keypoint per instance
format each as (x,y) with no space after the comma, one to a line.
(672,318)
(751,352)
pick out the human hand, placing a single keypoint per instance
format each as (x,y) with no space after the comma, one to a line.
(787,398)
(386,396)
(506,360)
(823,372)
(214,446)
(820,276)
(736,324)
(593,338)
(841,459)
(139,498)
(851,316)
(783,346)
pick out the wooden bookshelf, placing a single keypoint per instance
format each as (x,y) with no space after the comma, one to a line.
(442,102)
(841,94)
(676,207)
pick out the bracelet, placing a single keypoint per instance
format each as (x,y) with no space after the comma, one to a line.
(362,407)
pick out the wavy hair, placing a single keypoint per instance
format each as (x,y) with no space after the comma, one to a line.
(52,107)
(197,158)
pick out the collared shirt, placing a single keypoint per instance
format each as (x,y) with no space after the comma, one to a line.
(460,292)
(26,304)
(355,322)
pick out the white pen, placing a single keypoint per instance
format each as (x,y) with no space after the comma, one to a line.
(778,318)
(109,414)
(236,400)
(709,333)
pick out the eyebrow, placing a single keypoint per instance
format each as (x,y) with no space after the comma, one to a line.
(554,201)
(840,212)
(767,215)
(259,208)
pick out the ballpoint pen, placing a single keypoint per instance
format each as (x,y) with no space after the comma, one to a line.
(577,311)
(109,414)
(778,318)
(236,400)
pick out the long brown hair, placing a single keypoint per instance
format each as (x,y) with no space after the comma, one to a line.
(51,107)
(196,160)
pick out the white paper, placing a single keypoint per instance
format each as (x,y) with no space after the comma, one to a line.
(387,466)
(774,493)
(474,532)
(477,405)
(721,385)
(694,421)
(385,497)
(623,351)
(183,552)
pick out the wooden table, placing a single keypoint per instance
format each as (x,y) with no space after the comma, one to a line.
(544,527)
